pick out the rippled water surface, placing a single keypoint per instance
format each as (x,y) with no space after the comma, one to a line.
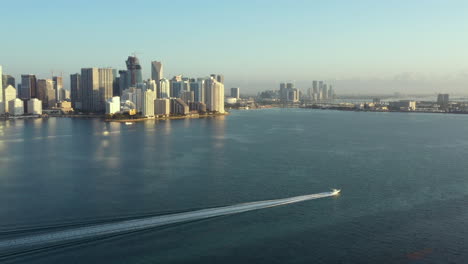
(404,180)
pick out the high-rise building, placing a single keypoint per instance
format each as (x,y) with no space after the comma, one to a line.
(34,106)
(314,87)
(162,107)
(177,87)
(75,87)
(156,71)
(7,80)
(90,89)
(148,103)
(51,95)
(28,87)
(58,86)
(325,91)
(134,70)
(96,88)
(235,93)
(46,92)
(164,90)
(9,93)
(106,86)
(124,81)
(16,107)
(187,96)
(214,95)
(113,105)
(151,85)
(135,96)
(179,107)
(443,100)
(198,88)
(218,77)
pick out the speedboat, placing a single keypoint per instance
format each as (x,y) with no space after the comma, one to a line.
(335,191)
(129,123)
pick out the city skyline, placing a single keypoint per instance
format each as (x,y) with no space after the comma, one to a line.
(364,47)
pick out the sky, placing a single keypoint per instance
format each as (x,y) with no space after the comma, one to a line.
(359,46)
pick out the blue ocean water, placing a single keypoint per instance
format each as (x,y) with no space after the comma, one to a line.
(403,177)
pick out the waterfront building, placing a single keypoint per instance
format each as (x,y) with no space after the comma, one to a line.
(134,70)
(124,81)
(314,87)
(403,105)
(9,93)
(65,106)
(187,96)
(75,82)
(50,94)
(324,91)
(97,87)
(178,86)
(162,107)
(44,88)
(443,100)
(106,86)
(197,106)
(164,90)
(148,103)
(34,106)
(113,105)
(214,95)
(198,88)
(16,107)
(289,93)
(135,96)
(28,87)
(230,100)
(7,80)
(156,72)
(179,107)
(58,86)
(235,93)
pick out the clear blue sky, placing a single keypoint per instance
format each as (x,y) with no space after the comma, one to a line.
(362,45)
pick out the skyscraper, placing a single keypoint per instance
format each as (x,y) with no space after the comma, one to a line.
(235,93)
(134,70)
(164,90)
(214,95)
(75,83)
(443,100)
(58,86)
(7,80)
(28,87)
(106,86)
(124,81)
(90,89)
(46,92)
(156,71)
(148,103)
(198,88)
(9,93)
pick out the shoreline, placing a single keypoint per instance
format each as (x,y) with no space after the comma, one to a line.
(164,118)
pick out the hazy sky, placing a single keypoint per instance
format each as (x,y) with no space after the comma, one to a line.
(360,46)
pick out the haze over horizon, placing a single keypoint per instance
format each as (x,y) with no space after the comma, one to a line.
(370,47)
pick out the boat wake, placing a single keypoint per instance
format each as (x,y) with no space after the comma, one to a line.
(27,243)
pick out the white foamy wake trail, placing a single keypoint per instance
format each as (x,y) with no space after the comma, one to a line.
(102,230)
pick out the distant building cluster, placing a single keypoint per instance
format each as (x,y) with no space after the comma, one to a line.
(100,90)
(21,101)
(111,91)
(320,92)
